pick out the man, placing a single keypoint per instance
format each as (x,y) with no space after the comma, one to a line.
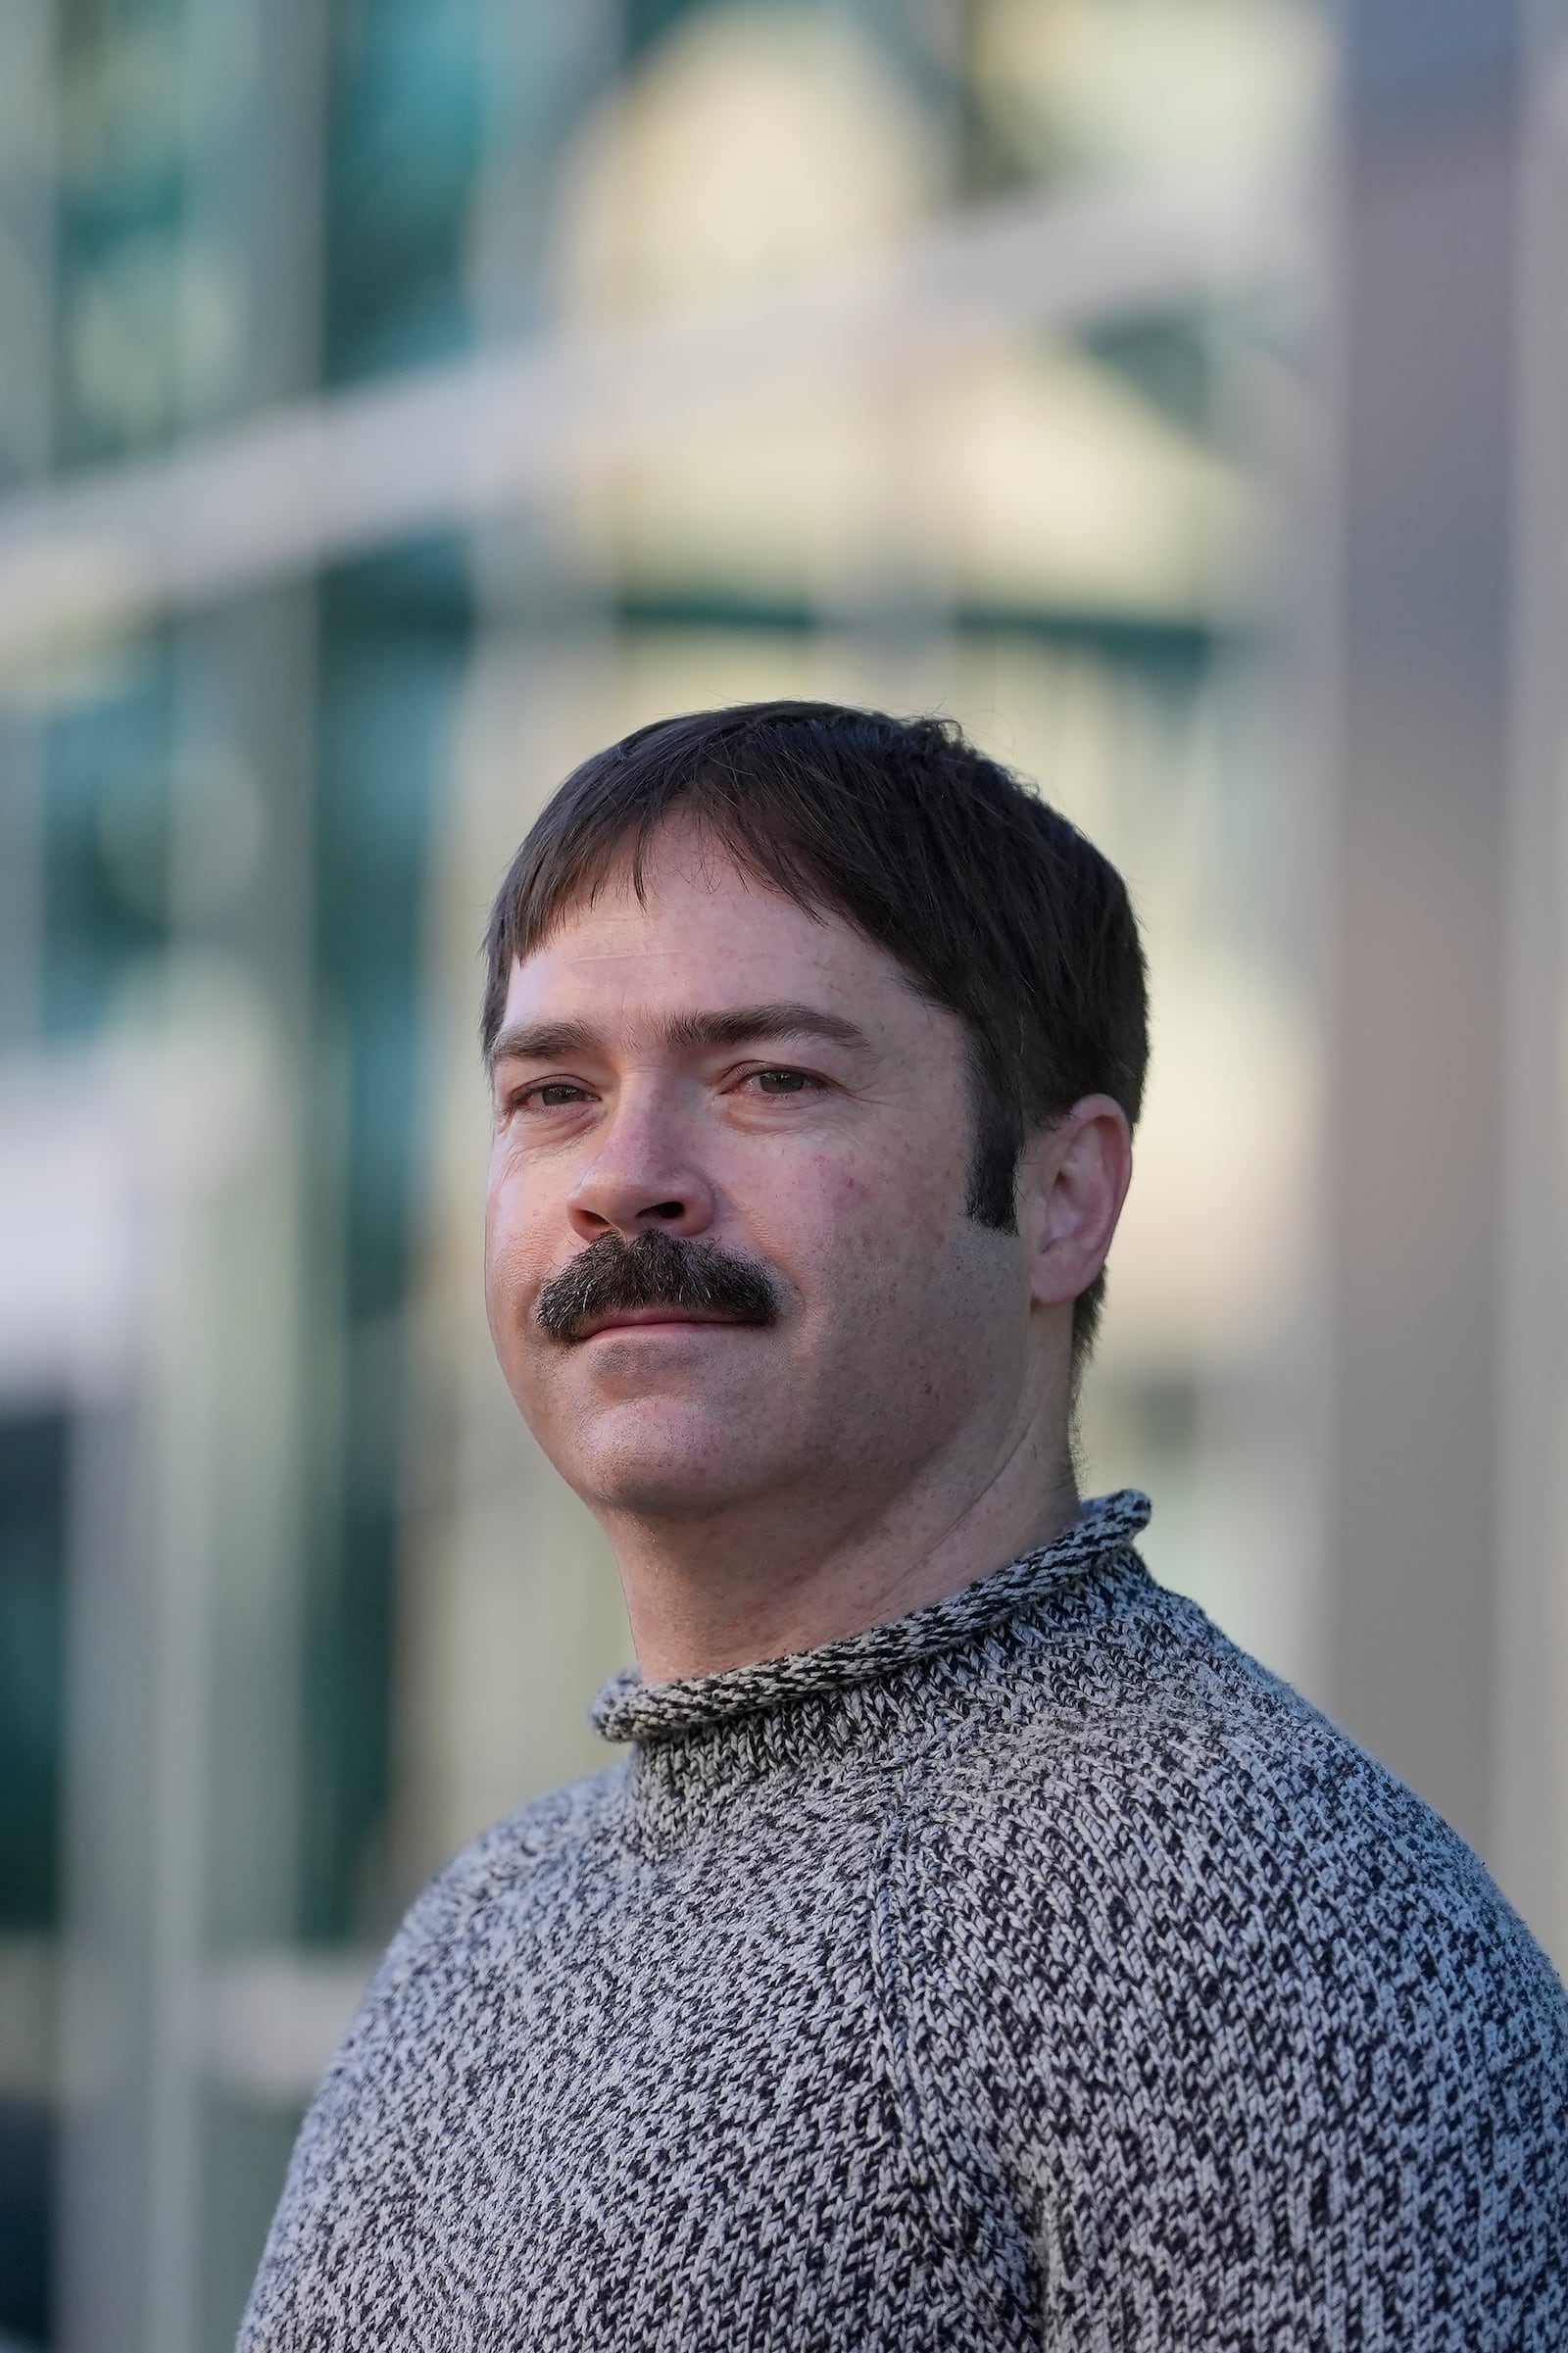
(977,1950)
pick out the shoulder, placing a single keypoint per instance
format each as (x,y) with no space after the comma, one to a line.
(523,1846)
(435,1982)
(1209,1977)
(1183,1815)
(511,1877)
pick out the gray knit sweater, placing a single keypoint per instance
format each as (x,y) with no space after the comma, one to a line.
(1035,1972)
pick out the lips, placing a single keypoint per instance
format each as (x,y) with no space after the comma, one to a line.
(631,1319)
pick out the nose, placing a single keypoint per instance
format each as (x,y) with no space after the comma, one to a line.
(640,1177)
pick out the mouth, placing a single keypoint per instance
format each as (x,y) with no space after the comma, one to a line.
(648,1319)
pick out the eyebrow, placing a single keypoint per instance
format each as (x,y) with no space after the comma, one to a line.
(729,1025)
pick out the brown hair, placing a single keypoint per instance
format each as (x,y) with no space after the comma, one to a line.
(996,908)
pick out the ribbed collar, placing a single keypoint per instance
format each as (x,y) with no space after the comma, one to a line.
(658,1716)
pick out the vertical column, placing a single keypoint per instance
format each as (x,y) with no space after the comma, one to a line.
(246,756)
(187,1555)
(1529,1847)
(1417,1088)
(1446,899)
(28,116)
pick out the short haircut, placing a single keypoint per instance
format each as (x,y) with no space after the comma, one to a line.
(996,908)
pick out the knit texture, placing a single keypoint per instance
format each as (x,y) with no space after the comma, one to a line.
(1037,1972)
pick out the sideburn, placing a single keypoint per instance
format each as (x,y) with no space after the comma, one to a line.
(992,1198)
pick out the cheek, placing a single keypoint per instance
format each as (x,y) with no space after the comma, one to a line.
(878,1230)
(500,1204)
(911,1191)
(517,1231)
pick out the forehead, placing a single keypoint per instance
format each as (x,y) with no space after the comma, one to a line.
(703,931)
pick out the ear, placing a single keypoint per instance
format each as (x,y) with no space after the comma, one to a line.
(1072,1180)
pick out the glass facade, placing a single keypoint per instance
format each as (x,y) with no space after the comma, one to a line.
(967,356)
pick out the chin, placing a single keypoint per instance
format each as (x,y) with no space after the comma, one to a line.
(664,1460)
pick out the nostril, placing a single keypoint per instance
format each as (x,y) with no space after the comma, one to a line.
(667,1209)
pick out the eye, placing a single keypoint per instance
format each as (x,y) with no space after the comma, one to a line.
(549,1094)
(784,1082)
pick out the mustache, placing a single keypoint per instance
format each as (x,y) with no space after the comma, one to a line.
(654,1269)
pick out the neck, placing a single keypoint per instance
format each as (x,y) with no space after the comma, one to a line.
(785,1572)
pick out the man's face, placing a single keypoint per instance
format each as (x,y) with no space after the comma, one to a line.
(719,1067)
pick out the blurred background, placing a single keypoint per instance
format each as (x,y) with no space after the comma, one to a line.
(398,399)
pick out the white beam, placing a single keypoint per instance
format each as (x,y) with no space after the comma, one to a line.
(322,480)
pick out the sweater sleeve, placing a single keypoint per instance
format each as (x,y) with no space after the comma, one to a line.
(1251,2047)
(354,2163)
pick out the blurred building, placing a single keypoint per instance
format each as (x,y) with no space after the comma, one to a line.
(400,398)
